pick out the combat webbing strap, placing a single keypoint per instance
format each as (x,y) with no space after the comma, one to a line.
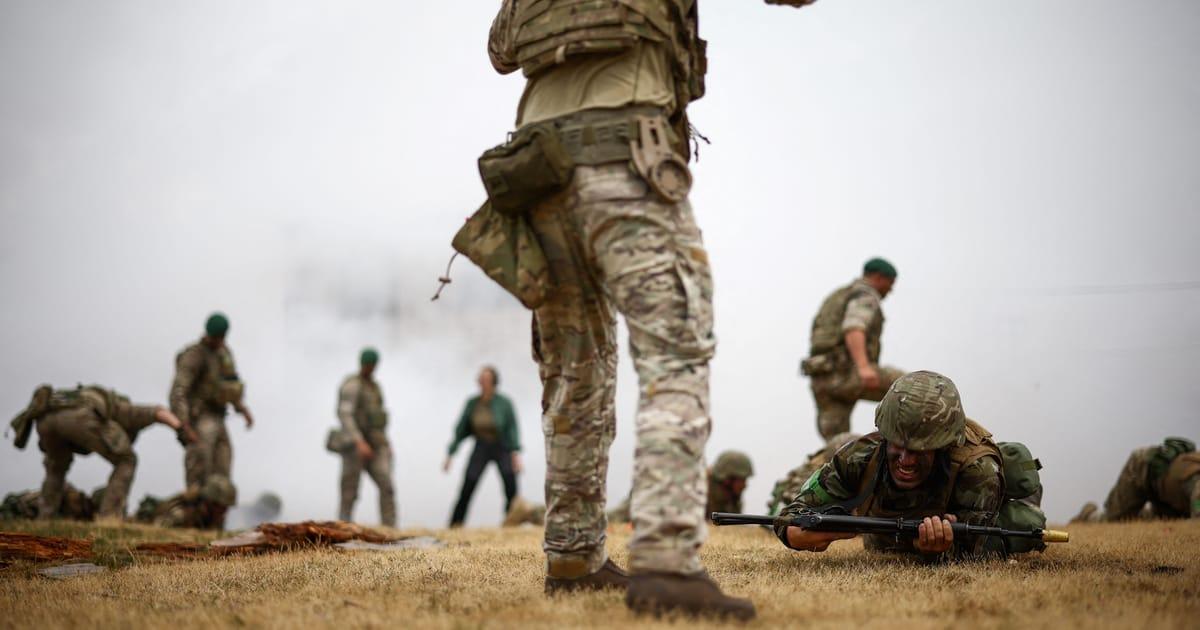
(594,137)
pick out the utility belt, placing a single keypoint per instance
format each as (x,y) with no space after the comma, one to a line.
(539,158)
(825,362)
(538,162)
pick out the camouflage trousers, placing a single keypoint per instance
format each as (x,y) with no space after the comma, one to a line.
(379,468)
(211,454)
(614,247)
(62,434)
(836,394)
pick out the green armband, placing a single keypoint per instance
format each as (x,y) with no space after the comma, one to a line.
(813,485)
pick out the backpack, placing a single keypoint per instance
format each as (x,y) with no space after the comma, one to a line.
(1021,508)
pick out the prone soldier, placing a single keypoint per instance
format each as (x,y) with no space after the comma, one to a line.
(727,481)
(927,460)
(202,507)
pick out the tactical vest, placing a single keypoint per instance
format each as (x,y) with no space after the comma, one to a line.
(98,399)
(1169,488)
(549,32)
(369,413)
(218,384)
(977,444)
(827,335)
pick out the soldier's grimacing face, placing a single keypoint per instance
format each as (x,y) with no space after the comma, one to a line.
(909,469)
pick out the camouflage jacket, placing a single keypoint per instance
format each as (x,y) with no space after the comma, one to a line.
(973,492)
(360,406)
(856,306)
(205,380)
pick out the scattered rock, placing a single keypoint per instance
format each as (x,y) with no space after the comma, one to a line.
(64,571)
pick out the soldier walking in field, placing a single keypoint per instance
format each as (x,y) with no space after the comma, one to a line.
(843,361)
(206,384)
(364,422)
(1167,477)
(88,419)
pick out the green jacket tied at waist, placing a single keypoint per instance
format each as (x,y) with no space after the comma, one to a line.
(503,415)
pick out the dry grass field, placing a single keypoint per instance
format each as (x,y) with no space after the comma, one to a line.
(1129,575)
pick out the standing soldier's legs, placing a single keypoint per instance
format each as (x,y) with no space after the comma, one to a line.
(574,344)
(1132,489)
(833,414)
(201,457)
(655,269)
(380,470)
(351,473)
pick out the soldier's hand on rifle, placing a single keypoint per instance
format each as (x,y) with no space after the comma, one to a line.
(365,451)
(800,538)
(935,535)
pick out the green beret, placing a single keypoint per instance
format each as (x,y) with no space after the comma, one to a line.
(369,356)
(217,325)
(880,266)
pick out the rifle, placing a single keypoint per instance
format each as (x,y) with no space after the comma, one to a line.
(823,522)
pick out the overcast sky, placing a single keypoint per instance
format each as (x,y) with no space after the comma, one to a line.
(1029,166)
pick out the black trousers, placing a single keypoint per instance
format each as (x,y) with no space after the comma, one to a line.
(485,452)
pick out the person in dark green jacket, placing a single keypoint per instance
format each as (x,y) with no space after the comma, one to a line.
(490,418)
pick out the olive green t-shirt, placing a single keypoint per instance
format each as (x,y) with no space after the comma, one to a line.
(641,75)
(483,423)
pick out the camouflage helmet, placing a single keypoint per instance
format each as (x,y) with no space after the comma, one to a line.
(732,465)
(218,489)
(921,412)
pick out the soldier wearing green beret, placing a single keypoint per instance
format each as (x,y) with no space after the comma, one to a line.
(927,460)
(88,419)
(206,384)
(843,361)
(364,421)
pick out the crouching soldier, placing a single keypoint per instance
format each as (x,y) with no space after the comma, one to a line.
(926,461)
(1157,482)
(88,419)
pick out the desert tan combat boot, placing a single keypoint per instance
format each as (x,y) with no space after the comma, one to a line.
(608,576)
(696,594)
